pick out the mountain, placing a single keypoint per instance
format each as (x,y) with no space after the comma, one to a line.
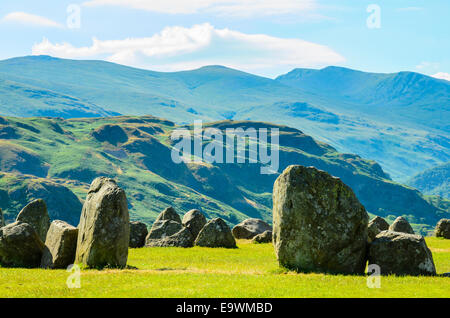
(398,120)
(433,181)
(57,159)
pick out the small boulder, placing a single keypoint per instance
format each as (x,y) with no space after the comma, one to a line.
(401,225)
(401,254)
(138,233)
(265,237)
(249,228)
(216,233)
(35,213)
(194,220)
(60,245)
(168,214)
(20,246)
(182,238)
(443,228)
(104,229)
(318,223)
(162,229)
(380,222)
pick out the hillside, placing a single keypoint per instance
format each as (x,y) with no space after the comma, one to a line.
(396,119)
(433,181)
(65,155)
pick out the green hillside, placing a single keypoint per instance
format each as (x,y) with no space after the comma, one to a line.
(398,120)
(57,158)
(433,181)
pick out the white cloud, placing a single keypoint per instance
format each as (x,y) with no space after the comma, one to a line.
(179,48)
(30,19)
(442,75)
(229,7)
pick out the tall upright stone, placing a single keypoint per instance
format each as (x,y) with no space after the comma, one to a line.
(318,223)
(194,220)
(104,229)
(35,213)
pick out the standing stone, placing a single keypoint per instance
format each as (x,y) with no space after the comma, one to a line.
(216,233)
(194,220)
(162,229)
(372,231)
(168,214)
(401,254)
(182,238)
(401,225)
(265,237)
(318,223)
(443,228)
(60,245)
(2,219)
(20,246)
(35,214)
(104,229)
(138,233)
(249,228)
(380,222)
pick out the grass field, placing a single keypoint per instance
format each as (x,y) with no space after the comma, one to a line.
(249,271)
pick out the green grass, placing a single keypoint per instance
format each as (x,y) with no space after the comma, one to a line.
(249,271)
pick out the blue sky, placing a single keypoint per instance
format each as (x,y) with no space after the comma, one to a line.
(264,37)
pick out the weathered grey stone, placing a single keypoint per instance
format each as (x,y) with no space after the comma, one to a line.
(162,229)
(401,254)
(372,231)
(138,233)
(2,219)
(318,223)
(380,222)
(249,228)
(443,228)
(194,220)
(401,225)
(35,213)
(168,214)
(104,229)
(265,237)
(216,233)
(20,246)
(60,245)
(182,238)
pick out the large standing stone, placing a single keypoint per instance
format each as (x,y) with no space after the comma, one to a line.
(216,233)
(60,245)
(20,246)
(265,237)
(194,220)
(249,228)
(104,229)
(162,229)
(401,254)
(401,225)
(35,213)
(168,214)
(138,233)
(318,223)
(443,228)
(182,238)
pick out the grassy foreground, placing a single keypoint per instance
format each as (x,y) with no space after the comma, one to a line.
(249,271)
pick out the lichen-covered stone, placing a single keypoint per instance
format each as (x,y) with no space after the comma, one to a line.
(380,222)
(169,214)
(318,223)
(443,228)
(194,220)
(35,213)
(162,229)
(60,245)
(104,229)
(401,254)
(216,233)
(249,228)
(2,219)
(138,233)
(265,237)
(182,238)
(401,225)
(20,246)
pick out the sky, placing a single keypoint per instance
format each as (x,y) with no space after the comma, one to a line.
(263,37)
